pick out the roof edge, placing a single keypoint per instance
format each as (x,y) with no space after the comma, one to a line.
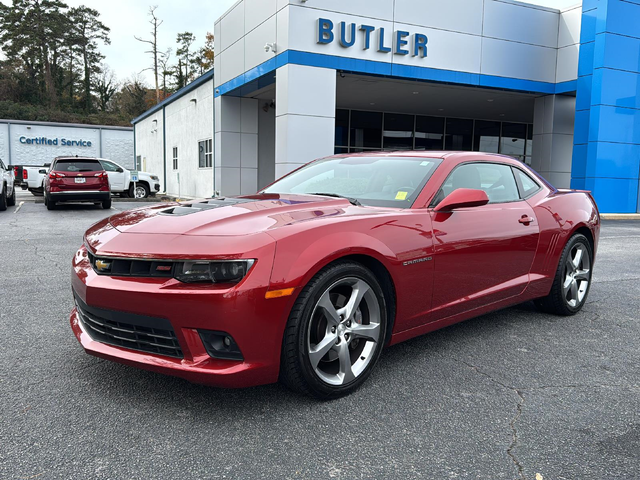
(62,124)
(175,96)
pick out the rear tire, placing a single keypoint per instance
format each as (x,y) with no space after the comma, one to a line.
(3,199)
(335,332)
(106,204)
(50,204)
(11,201)
(572,281)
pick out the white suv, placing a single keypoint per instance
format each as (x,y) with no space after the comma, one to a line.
(7,188)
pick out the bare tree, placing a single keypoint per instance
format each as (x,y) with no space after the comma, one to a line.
(165,69)
(106,87)
(155,24)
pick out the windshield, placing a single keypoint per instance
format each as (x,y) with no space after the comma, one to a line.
(377,181)
(78,166)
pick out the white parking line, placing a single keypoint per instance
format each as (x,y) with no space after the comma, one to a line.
(19,207)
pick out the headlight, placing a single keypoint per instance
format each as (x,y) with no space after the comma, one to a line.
(153,177)
(231,271)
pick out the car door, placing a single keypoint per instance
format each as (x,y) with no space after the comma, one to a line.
(116,175)
(482,254)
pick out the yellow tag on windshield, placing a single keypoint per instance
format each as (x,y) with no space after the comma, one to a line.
(401,195)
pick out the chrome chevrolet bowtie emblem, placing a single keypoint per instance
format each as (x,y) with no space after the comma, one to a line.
(102,265)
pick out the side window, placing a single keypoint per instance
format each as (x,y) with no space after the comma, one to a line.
(495,179)
(108,166)
(529,186)
(2,165)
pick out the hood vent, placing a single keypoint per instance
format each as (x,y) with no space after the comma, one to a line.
(206,205)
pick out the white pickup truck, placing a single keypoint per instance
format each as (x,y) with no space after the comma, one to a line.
(119,179)
(7,187)
(33,179)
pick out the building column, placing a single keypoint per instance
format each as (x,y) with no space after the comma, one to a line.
(606,152)
(305,115)
(553,117)
(236,145)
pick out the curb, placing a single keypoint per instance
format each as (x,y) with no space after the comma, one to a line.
(620,216)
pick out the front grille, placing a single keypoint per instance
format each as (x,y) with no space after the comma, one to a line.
(131,268)
(136,332)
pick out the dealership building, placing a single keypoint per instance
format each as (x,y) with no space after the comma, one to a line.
(37,143)
(297,80)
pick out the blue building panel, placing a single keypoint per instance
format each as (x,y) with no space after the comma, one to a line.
(627,91)
(614,124)
(612,50)
(606,154)
(612,160)
(613,195)
(620,17)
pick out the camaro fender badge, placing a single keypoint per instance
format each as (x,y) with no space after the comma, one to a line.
(102,265)
(417,260)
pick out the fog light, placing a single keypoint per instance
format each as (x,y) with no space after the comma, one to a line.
(220,345)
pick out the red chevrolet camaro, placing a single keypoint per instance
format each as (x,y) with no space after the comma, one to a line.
(309,279)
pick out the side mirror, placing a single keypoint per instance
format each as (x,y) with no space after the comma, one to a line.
(119,170)
(43,171)
(463,198)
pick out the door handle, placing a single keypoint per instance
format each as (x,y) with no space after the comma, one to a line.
(525,219)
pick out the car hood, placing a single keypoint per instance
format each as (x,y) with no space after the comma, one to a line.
(231,216)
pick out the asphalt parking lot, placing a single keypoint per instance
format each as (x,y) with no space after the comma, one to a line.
(511,395)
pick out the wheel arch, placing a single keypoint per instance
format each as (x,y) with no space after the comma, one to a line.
(586,231)
(302,261)
(386,282)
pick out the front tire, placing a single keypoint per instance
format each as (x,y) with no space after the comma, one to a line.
(11,201)
(3,199)
(335,333)
(572,281)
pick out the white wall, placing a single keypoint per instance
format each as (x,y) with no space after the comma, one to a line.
(117,144)
(149,145)
(189,120)
(491,37)
(569,44)
(4,143)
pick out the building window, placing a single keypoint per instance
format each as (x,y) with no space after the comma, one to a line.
(514,138)
(366,130)
(529,149)
(205,153)
(342,128)
(175,158)
(429,133)
(458,134)
(486,136)
(398,131)
(139,162)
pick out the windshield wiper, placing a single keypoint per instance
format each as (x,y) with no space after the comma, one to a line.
(353,201)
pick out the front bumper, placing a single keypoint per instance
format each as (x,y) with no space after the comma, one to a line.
(256,324)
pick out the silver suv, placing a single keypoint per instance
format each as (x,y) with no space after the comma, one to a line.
(7,188)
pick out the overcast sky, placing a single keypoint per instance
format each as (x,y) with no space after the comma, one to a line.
(127,18)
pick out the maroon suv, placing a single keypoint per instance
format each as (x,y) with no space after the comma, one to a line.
(76,179)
